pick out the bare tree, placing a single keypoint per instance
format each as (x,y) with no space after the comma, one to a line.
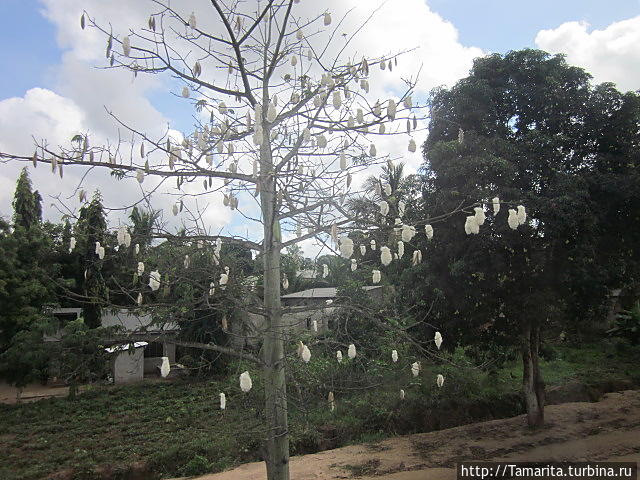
(283,126)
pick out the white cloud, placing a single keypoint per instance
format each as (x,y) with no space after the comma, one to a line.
(84,92)
(610,55)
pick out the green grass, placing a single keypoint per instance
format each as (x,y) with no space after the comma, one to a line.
(177,428)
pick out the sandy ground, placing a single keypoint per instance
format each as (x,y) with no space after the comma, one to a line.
(606,430)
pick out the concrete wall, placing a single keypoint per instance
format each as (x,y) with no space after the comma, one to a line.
(128,366)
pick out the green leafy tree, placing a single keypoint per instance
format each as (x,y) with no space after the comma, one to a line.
(520,127)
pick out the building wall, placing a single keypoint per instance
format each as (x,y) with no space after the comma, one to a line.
(128,366)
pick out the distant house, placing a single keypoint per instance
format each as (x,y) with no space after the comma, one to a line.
(325,300)
(135,358)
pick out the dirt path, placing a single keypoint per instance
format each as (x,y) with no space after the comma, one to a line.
(30,393)
(606,430)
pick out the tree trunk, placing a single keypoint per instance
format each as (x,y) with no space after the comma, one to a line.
(532,383)
(277,433)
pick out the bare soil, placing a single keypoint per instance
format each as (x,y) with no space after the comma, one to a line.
(608,430)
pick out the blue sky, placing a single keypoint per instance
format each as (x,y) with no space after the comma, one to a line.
(492,25)
(54,92)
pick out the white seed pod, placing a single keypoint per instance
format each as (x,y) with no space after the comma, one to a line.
(306,135)
(440,380)
(165,368)
(402,394)
(401,209)
(408,101)
(97,247)
(339,356)
(192,21)
(222,108)
(72,244)
(375,277)
(325,270)
(154,280)
(372,150)
(480,216)
(126,46)
(309,55)
(354,265)
(391,109)
(460,136)
(428,230)
(385,256)
(400,249)
(271,113)
(321,141)
(137,249)
(363,250)
(437,339)
(522,215)
(417,257)
(306,354)
(343,161)
(496,205)
(346,247)
(334,233)
(187,261)
(377,109)
(212,289)
(387,189)
(360,115)
(372,243)
(139,299)
(364,85)
(394,356)
(408,232)
(412,146)
(174,209)
(337,99)
(224,279)
(285,283)
(352,351)
(223,401)
(351,122)
(415,369)
(185,92)
(245,382)
(140,175)
(382,129)
(512,220)
(471,225)
(140,268)
(294,60)
(332,402)
(120,235)
(101,253)
(314,325)
(384,207)
(197,69)
(327,19)
(299,35)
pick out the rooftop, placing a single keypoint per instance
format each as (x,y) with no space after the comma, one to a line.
(325,292)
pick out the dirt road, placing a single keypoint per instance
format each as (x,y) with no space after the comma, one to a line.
(606,430)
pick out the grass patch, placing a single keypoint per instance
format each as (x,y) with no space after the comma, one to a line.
(177,429)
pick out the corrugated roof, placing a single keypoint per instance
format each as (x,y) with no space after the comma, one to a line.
(324,292)
(125,346)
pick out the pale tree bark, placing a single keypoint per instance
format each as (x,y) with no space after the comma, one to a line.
(277,434)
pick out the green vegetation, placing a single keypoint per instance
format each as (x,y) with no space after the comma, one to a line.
(177,429)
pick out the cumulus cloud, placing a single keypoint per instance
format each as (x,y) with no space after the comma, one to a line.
(610,55)
(85,95)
